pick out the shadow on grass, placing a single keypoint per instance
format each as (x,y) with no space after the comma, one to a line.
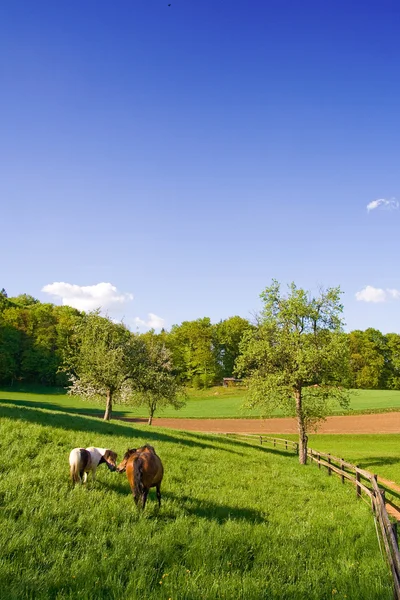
(223,438)
(206,509)
(70,410)
(191,505)
(11,409)
(31,388)
(67,418)
(379,461)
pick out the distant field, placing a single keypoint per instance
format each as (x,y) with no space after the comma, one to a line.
(214,403)
(236,522)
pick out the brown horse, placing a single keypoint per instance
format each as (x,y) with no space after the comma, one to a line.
(144,470)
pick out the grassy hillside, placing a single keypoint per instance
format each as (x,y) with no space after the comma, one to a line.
(217,402)
(237,521)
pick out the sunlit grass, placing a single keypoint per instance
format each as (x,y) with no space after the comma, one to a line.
(237,521)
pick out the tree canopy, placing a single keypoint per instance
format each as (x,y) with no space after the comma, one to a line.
(297,356)
(36,337)
(107,356)
(157,387)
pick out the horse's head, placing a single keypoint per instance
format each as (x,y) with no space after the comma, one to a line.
(122,465)
(110,459)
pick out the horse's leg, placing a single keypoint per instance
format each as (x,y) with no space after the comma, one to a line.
(158,488)
(144,498)
(84,478)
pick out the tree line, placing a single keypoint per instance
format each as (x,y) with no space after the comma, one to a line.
(36,337)
(296,356)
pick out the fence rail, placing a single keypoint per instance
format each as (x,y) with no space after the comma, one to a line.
(280,442)
(364,482)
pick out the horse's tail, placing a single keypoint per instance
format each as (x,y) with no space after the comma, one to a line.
(74,465)
(138,474)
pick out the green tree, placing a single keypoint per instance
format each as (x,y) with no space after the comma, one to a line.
(39,361)
(106,356)
(228,335)
(10,342)
(156,387)
(38,349)
(4,301)
(194,352)
(369,359)
(297,356)
(24,300)
(66,339)
(393,346)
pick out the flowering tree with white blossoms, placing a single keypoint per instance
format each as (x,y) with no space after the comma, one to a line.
(106,360)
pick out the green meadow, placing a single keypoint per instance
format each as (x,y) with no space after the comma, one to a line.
(217,402)
(378,453)
(237,521)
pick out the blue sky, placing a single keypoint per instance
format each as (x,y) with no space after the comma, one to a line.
(187,155)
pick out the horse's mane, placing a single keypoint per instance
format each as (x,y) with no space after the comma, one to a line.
(129,453)
(132,451)
(146,447)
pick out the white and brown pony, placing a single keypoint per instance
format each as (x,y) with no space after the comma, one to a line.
(86,460)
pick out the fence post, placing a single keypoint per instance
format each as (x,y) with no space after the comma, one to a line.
(260,440)
(358,489)
(329,462)
(342,468)
(394,529)
(373,498)
(274,442)
(286,444)
(382,492)
(296,448)
(319,460)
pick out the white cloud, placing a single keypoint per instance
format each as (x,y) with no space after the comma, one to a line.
(371,294)
(383,203)
(88,297)
(153,322)
(139,322)
(394,294)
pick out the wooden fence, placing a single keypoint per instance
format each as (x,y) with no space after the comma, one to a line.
(365,483)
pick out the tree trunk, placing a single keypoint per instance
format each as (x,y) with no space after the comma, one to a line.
(149,422)
(303,439)
(107,414)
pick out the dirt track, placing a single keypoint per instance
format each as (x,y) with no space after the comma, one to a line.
(380,423)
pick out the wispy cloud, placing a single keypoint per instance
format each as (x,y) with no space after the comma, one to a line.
(395,294)
(371,294)
(383,203)
(88,297)
(153,322)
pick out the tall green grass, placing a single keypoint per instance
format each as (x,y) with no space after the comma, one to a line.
(237,521)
